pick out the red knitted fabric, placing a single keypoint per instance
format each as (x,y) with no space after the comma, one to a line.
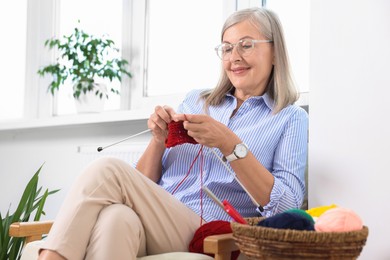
(177,135)
(216,227)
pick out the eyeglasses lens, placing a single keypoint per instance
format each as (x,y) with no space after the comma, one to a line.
(244,48)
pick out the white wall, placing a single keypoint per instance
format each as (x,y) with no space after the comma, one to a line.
(22,152)
(349,113)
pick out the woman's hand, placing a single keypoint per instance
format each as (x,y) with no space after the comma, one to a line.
(209,132)
(158,122)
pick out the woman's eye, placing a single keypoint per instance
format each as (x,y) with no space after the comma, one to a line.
(227,49)
(246,45)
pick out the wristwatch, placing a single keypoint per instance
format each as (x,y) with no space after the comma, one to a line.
(239,152)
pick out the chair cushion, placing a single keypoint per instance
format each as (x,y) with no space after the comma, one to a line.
(30,252)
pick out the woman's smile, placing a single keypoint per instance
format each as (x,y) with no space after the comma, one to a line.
(239,70)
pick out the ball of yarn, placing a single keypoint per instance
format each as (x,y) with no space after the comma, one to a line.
(318,211)
(216,227)
(303,213)
(288,220)
(338,220)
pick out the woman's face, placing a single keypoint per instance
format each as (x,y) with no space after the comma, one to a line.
(249,74)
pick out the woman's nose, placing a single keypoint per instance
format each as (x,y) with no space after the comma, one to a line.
(235,55)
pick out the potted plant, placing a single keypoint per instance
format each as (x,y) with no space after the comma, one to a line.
(86,60)
(31,204)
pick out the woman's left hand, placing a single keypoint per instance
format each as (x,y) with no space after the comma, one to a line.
(209,132)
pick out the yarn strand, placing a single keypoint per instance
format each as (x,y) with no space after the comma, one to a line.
(189,170)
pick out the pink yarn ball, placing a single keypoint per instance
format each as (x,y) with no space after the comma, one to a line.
(338,220)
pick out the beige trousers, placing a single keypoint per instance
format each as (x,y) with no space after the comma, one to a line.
(114,212)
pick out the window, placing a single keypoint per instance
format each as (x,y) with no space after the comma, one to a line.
(180,46)
(162,61)
(175,34)
(12,66)
(162,39)
(96,17)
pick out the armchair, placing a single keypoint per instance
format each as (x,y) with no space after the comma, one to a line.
(219,245)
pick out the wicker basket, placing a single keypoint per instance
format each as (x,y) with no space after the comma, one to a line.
(258,242)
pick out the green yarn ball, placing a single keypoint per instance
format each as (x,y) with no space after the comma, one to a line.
(302,213)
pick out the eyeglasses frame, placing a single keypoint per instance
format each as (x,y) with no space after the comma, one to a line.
(235,44)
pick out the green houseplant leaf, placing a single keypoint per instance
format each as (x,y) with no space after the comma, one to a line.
(31,202)
(84,59)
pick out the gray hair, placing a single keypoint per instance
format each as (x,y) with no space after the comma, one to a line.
(281,87)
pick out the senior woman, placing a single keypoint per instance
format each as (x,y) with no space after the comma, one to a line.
(118,211)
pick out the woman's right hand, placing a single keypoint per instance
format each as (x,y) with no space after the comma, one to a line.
(158,122)
(150,161)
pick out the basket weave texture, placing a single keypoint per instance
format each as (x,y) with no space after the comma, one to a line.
(258,242)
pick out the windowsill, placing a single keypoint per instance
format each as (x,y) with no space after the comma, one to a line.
(93,118)
(75,120)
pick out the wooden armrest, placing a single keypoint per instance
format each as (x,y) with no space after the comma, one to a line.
(31,230)
(220,245)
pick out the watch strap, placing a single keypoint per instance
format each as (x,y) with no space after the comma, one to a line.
(231,157)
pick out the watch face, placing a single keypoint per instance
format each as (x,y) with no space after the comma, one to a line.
(241,150)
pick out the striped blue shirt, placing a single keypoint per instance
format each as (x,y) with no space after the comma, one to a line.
(278,141)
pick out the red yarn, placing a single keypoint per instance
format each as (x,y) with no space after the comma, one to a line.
(189,170)
(178,135)
(216,227)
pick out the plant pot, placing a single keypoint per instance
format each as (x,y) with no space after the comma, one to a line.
(90,102)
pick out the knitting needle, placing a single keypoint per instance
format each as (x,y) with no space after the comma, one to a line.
(226,206)
(99,149)
(259,208)
(213,197)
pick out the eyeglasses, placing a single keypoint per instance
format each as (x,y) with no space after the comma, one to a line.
(244,48)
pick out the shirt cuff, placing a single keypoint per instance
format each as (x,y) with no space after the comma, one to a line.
(279,200)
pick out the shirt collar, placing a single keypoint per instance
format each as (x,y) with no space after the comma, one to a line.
(270,103)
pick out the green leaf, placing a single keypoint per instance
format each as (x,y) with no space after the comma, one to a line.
(25,200)
(41,205)
(2,233)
